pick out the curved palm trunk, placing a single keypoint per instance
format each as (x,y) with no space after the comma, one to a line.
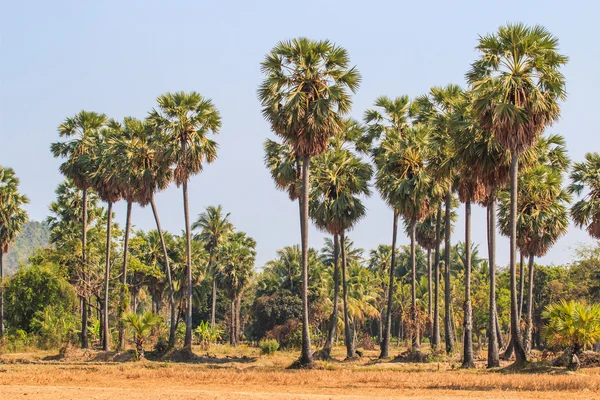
(416,345)
(1,295)
(336,293)
(173,327)
(188,317)
(515,329)
(429,288)
(447,294)
(387,328)
(521,282)
(435,336)
(106,334)
(493,352)
(468,317)
(529,328)
(306,358)
(348,339)
(84,302)
(124,291)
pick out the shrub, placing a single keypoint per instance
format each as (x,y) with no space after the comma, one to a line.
(141,325)
(268,346)
(207,335)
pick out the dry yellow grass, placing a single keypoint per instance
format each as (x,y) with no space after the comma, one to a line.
(243,373)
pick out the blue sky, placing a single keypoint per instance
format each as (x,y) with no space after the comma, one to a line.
(116,57)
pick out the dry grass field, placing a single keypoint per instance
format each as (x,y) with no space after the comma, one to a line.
(243,373)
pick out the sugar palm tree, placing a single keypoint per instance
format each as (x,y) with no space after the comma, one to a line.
(184,122)
(338,181)
(426,238)
(585,178)
(401,169)
(437,109)
(235,270)
(12,219)
(141,325)
(79,131)
(215,227)
(379,262)
(304,96)
(388,118)
(517,84)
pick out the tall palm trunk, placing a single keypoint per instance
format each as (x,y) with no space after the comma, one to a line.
(468,317)
(232,335)
(1,295)
(173,327)
(447,294)
(347,329)
(435,336)
(429,289)
(306,358)
(416,346)
(238,318)
(493,352)
(124,291)
(105,336)
(387,328)
(515,329)
(336,293)
(529,328)
(188,318)
(84,303)
(213,306)
(521,282)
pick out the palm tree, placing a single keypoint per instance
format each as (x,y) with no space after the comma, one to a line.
(426,238)
(235,270)
(79,131)
(389,118)
(12,218)
(585,178)
(339,178)
(184,121)
(141,327)
(304,96)
(215,227)
(401,170)
(517,85)
(437,109)
(379,262)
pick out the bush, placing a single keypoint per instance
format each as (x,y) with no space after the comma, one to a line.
(268,346)
(207,335)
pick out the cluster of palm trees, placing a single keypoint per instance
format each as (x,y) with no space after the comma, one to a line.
(451,141)
(131,161)
(12,218)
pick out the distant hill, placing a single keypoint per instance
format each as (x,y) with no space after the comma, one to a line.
(33,236)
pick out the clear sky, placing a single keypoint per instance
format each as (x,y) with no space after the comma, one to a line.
(116,57)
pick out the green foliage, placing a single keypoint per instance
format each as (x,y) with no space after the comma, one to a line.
(207,335)
(31,290)
(268,346)
(55,327)
(573,325)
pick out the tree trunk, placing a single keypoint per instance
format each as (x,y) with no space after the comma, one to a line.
(213,306)
(347,329)
(188,320)
(515,329)
(1,295)
(306,358)
(435,337)
(521,283)
(447,293)
(468,317)
(336,293)
(429,293)
(232,324)
(529,328)
(416,345)
(387,328)
(493,331)
(499,331)
(124,300)
(84,316)
(173,327)
(238,311)
(106,335)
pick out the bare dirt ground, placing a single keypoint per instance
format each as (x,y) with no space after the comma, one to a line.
(243,373)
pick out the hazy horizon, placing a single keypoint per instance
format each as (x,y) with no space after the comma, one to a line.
(114,58)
